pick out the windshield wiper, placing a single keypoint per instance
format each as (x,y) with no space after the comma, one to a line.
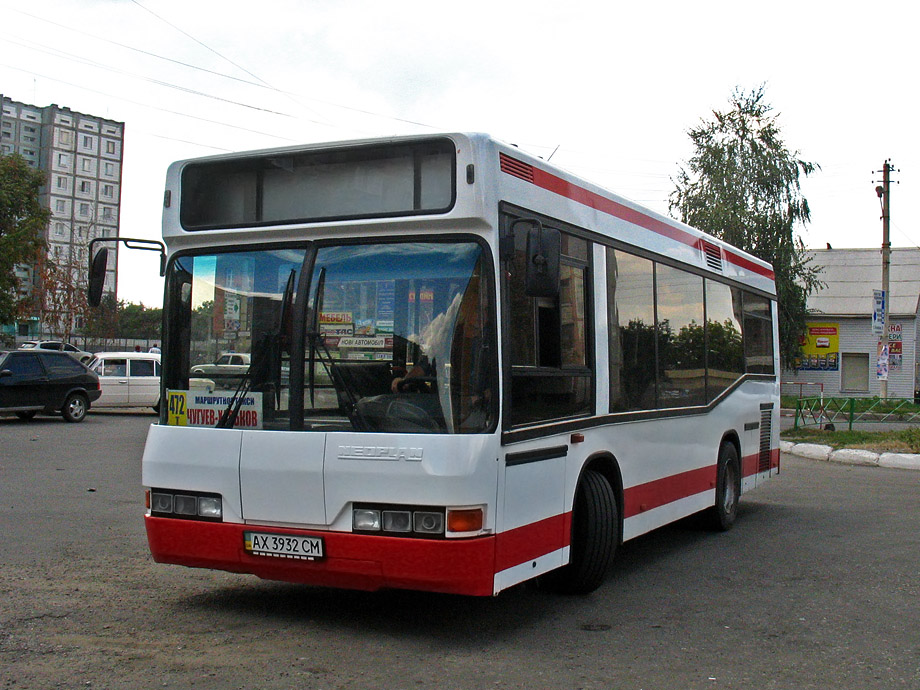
(265,362)
(318,347)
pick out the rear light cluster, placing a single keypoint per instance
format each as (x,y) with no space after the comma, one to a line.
(417,521)
(188,505)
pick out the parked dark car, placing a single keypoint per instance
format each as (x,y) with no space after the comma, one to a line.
(46,381)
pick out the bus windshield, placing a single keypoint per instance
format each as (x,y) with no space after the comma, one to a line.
(393,337)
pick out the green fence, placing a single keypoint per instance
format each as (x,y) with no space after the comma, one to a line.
(838,411)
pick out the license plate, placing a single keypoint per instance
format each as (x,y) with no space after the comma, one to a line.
(283,545)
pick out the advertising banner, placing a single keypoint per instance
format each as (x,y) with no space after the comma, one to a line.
(820,347)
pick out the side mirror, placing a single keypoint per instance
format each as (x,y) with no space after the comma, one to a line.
(98,262)
(544,246)
(97,276)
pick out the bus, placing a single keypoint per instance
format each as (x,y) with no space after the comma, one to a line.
(464,368)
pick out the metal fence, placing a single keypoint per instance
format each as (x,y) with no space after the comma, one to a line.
(103,344)
(821,411)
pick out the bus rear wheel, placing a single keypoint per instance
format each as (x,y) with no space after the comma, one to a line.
(594,537)
(728,489)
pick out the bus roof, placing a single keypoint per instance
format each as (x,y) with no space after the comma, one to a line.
(521,179)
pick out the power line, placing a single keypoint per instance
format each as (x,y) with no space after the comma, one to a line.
(293,95)
(147,105)
(204,45)
(56,52)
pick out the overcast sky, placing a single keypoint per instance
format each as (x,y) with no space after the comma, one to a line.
(614,86)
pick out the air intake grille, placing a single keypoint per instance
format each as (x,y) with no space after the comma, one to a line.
(766,427)
(712,254)
(515,167)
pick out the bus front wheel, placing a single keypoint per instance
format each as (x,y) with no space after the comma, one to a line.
(594,537)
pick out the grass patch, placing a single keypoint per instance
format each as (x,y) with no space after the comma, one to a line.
(902,441)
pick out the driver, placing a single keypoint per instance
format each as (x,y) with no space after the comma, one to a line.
(418,370)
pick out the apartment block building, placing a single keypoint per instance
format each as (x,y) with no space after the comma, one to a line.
(82,156)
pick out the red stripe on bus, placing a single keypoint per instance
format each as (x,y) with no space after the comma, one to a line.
(555,184)
(660,492)
(528,542)
(750,465)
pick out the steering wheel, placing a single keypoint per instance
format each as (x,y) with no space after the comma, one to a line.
(416,384)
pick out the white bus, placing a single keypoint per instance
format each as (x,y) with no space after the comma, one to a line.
(466,369)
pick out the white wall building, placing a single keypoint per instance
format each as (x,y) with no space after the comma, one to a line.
(841,351)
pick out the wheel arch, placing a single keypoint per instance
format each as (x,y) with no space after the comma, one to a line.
(731,436)
(79,390)
(606,464)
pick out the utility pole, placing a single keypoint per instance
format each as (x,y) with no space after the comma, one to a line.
(884,194)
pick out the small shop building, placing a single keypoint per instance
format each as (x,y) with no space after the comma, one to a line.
(840,350)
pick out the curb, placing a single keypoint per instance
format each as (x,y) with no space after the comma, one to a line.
(852,456)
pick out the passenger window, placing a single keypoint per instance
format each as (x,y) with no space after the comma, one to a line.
(681,340)
(142,367)
(63,365)
(551,376)
(758,334)
(631,331)
(725,352)
(24,365)
(115,367)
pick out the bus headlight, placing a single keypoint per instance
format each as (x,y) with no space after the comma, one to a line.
(426,522)
(188,505)
(397,521)
(209,506)
(365,520)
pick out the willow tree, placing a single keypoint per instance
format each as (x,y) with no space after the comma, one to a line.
(742,184)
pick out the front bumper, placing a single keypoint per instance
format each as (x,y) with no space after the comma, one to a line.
(352,561)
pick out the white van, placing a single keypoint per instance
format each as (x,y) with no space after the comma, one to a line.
(128,379)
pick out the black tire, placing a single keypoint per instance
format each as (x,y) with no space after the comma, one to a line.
(728,489)
(156,408)
(75,408)
(594,537)
(26,415)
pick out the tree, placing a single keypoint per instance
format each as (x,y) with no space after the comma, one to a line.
(102,321)
(116,318)
(22,225)
(742,185)
(138,321)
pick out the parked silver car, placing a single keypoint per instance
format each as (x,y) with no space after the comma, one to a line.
(59,345)
(227,364)
(128,379)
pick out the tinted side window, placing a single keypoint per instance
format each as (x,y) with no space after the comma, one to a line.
(758,334)
(631,331)
(548,339)
(24,365)
(63,365)
(681,339)
(141,367)
(725,353)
